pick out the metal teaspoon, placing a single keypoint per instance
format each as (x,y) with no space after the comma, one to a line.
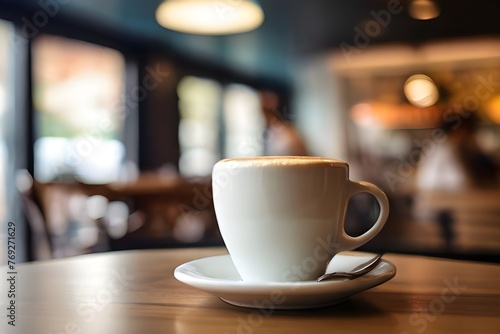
(358,271)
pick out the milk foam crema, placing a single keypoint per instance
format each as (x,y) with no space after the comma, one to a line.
(279,161)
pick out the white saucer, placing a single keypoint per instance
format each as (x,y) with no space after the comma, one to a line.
(218,276)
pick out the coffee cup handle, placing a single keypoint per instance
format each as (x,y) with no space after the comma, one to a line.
(356,187)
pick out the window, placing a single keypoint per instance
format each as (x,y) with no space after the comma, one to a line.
(78,91)
(7,161)
(217,122)
(244,122)
(199,106)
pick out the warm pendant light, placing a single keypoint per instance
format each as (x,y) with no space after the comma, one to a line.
(423,9)
(421,91)
(209,17)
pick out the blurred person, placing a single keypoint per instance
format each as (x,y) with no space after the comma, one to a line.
(455,164)
(282,138)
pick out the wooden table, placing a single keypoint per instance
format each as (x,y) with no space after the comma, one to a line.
(136,292)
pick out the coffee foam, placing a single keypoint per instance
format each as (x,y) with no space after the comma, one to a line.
(275,161)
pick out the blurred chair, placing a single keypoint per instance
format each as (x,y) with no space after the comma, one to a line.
(67,219)
(57,220)
(41,243)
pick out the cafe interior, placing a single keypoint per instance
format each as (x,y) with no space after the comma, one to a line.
(113,114)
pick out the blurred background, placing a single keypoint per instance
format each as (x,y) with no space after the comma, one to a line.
(112,116)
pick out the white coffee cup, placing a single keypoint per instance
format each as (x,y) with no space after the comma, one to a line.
(282,218)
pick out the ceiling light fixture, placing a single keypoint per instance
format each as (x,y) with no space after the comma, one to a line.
(421,91)
(423,9)
(207,17)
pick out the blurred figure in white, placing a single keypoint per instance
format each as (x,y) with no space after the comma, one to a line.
(455,165)
(457,162)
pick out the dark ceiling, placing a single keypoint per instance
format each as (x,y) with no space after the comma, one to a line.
(293,29)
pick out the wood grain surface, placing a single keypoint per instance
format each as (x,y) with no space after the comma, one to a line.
(136,292)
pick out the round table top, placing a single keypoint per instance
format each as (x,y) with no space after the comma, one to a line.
(136,292)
